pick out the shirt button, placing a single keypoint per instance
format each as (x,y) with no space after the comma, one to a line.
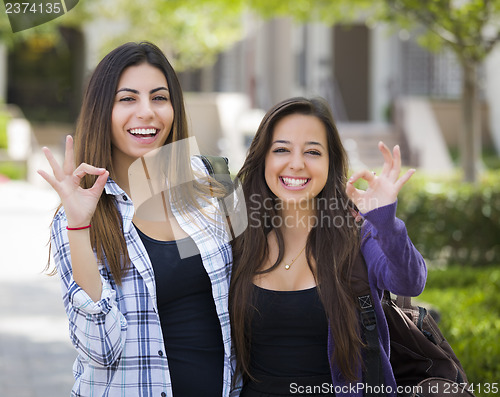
(160,353)
(124,198)
(163,394)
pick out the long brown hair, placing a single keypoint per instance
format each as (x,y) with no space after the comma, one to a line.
(334,246)
(93,140)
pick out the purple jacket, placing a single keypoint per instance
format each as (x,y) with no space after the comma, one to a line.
(394,264)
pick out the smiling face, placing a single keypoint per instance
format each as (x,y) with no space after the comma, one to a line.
(142,114)
(296,165)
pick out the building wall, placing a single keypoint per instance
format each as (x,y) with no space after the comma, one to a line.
(449,117)
(3,73)
(492,91)
(384,58)
(359,71)
(278,59)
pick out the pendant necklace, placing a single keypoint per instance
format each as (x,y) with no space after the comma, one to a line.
(287,265)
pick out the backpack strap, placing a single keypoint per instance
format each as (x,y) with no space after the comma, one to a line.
(403,302)
(373,375)
(217,167)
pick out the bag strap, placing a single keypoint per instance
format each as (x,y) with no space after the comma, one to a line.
(373,373)
(403,302)
(217,167)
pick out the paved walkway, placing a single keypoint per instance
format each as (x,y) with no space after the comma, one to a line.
(36,356)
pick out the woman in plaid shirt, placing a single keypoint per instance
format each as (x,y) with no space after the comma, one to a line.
(146,318)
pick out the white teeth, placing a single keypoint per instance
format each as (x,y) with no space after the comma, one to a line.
(143,131)
(294,181)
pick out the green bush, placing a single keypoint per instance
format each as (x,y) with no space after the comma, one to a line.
(4,119)
(453,222)
(491,159)
(468,300)
(13,170)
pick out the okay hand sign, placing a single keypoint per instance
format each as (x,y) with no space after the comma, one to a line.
(79,204)
(382,189)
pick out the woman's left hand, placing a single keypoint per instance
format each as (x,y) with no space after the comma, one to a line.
(382,189)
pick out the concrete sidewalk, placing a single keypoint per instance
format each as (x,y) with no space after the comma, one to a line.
(36,356)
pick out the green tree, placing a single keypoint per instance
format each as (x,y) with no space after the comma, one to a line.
(469,28)
(192,32)
(49,32)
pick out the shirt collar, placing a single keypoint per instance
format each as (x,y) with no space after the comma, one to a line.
(112,188)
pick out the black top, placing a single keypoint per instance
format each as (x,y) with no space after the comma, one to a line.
(289,335)
(189,322)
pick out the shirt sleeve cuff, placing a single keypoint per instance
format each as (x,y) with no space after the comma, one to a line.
(82,301)
(382,218)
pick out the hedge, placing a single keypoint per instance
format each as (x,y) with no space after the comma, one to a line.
(453,222)
(4,119)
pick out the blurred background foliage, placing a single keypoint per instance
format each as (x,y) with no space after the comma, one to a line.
(196,30)
(456,227)
(453,222)
(192,32)
(468,300)
(4,119)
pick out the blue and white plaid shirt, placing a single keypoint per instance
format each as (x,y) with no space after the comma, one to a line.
(119,338)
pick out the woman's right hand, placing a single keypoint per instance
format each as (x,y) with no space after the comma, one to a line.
(79,204)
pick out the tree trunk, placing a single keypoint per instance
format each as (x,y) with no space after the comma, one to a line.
(470,140)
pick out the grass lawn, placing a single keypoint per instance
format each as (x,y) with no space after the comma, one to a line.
(468,300)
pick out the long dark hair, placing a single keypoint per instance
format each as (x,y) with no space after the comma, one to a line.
(93,140)
(333,242)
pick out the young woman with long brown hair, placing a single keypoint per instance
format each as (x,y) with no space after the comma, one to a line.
(293,315)
(145,320)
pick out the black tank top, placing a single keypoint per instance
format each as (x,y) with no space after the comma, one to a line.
(189,322)
(289,334)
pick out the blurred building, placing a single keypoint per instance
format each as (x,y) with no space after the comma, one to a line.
(378,85)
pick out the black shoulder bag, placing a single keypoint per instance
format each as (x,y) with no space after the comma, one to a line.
(422,360)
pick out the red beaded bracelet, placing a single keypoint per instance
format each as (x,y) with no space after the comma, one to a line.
(78,228)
